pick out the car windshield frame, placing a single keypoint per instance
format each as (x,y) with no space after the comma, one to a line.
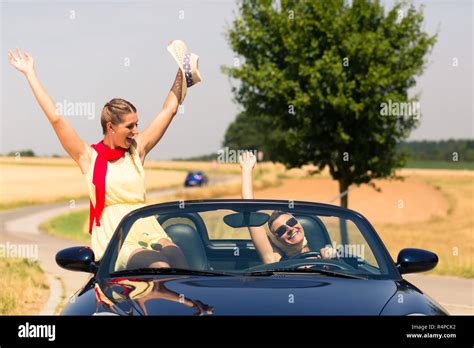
(381,254)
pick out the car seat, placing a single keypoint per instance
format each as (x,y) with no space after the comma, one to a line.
(315,231)
(187,238)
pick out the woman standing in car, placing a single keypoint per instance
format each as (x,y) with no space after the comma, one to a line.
(113,167)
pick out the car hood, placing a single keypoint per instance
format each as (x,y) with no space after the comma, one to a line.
(270,295)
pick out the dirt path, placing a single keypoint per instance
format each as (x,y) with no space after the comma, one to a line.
(397,203)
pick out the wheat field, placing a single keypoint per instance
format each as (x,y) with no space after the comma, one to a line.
(32,183)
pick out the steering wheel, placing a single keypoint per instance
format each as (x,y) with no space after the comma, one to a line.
(305,255)
(328,263)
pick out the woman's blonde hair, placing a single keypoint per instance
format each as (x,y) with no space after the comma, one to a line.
(113,112)
(289,250)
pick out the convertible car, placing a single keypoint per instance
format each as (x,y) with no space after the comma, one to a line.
(226,275)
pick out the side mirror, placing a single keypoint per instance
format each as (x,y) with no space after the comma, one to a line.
(412,260)
(79,259)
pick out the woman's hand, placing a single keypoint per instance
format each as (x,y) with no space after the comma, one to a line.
(247,161)
(328,253)
(22,62)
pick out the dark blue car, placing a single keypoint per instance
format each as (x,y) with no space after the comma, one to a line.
(225,270)
(195,179)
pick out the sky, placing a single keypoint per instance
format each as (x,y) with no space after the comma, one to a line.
(89,52)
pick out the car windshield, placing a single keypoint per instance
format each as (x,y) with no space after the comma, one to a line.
(248,238)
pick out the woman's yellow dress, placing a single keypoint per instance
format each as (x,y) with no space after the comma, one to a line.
(125,191)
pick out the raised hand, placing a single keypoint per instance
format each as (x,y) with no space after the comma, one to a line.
(22,61)
(247,161)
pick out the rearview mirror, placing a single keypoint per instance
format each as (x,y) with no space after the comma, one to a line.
(246,219)
(79,259)
(412,260)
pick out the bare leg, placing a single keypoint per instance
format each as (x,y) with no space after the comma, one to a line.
(144,258)
(173,253)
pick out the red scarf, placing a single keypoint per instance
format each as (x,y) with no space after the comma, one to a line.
(104,155)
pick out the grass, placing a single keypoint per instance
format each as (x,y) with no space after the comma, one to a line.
(68,226)
(31,202)
(450,237)
(31,181)
(460,165)
(63,301)
(24,287)
(264,180)
(185,166)
(28,184)
(62,199)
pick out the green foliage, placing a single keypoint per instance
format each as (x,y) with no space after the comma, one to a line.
(443,150)
(68,226)
(22,153)
(18,276)
(203,158)
(245,133)
(313,77)
(430,164)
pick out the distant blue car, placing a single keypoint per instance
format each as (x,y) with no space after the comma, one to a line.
(195,179)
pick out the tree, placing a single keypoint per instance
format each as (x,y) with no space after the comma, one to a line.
(245,133)
(315,74)
(22,153)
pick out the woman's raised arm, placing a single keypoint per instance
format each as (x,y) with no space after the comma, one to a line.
(258,234)
(70,140)
(151,135)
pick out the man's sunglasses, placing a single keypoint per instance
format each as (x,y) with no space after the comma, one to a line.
(280,231)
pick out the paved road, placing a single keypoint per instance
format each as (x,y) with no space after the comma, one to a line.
(453,293)
(20,226)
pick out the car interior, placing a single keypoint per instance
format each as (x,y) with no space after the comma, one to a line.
(189,232)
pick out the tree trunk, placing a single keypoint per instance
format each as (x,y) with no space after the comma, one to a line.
(343,187)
